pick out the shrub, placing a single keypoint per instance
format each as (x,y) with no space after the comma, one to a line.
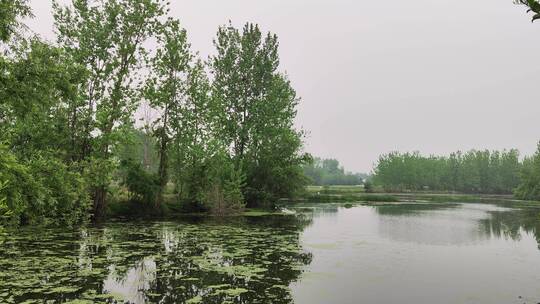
(529,188)
(66,200)
(41,189)
(17,189)
(142,185)
(223,196)
(368,186)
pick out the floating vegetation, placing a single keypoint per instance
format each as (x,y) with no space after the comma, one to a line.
(243,260)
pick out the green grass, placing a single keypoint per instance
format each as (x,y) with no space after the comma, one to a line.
(351,198)
(259,212)
(322,194)
(335,189)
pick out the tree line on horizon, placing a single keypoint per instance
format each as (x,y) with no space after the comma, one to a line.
(498,172)
(323,172)
(470,172)
(475,171)
(222,137)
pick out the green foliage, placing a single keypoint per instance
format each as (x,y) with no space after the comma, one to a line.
(194,143)
(256,107)
(18,189)
(529,188)
(170,91)
(106,38)
(336,196)
(471,172)
(276,172)
(368,186)
(39,183)
(66,200)
(41,190)
(142,186)
(223,193)
(39,82)
(4,210)
(329,172)
(533,5)
(10,12)
(139,146)
(67,115)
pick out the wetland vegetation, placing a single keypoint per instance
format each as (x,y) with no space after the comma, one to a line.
(132,170)
(216,135)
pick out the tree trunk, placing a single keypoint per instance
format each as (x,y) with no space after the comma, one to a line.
(100,200)
(162,171)
(163,158)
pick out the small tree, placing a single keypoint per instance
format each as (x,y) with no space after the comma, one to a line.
(143,186)
(368,186)
(223,194)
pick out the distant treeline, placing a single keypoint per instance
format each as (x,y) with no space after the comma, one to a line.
(493,172)
(330,172)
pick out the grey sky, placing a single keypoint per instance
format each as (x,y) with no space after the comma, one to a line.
(376,76)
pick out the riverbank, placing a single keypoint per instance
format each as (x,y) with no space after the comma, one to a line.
(322,194)
(171,209)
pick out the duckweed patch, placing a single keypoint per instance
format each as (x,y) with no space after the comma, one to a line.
(248,260)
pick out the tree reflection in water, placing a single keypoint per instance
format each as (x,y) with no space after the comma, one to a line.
(511,224)
(244,260)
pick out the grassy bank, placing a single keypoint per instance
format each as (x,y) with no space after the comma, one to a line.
(171,208)
(322,194)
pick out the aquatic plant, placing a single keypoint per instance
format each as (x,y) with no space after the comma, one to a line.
(239,260)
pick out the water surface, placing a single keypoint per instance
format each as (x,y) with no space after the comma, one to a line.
(453,253)
(389,253)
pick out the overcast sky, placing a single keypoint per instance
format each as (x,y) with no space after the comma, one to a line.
(378,76)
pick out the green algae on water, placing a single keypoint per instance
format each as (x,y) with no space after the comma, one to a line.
(238,260)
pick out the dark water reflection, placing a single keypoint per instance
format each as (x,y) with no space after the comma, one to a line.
(514,224)
(407,253)
(241,261)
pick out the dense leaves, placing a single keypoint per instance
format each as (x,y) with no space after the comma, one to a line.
(256,107)
(68,115)
(141,185)
(10,13)
(38,82)
(530,178)
(106,38)
(42,189)
(471,172)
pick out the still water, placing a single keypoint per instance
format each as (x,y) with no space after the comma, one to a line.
(407,253)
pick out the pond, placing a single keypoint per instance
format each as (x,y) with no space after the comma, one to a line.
(325,253)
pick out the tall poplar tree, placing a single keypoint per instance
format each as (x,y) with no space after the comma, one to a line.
(194,139)
(106,37)
(165,91)
(257,110)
